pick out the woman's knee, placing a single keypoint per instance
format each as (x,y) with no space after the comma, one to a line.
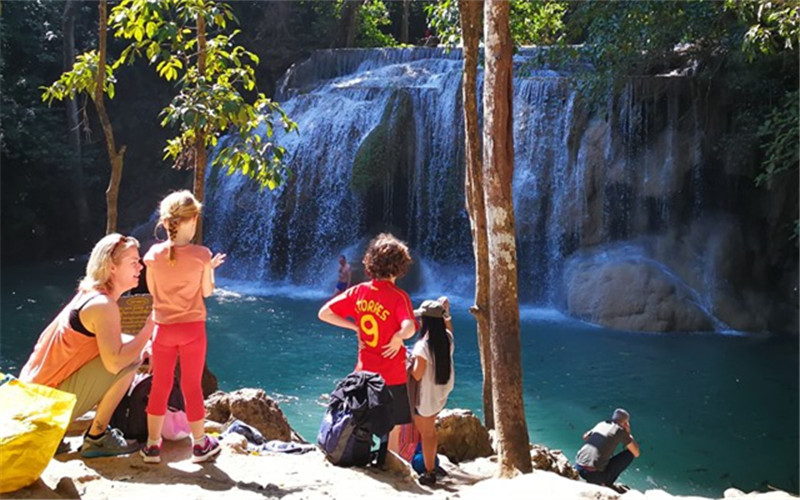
(426,426)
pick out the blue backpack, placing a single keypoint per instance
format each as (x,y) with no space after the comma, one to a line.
(418,461)
(360,407)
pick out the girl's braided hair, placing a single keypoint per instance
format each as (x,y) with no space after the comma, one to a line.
(177,207)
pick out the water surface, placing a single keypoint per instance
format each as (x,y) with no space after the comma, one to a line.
(709,411)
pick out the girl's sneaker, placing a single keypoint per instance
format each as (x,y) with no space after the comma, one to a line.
(151,454)
(428,478)
(205,451)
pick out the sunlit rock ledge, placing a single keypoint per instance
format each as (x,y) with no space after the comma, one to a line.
(237,474)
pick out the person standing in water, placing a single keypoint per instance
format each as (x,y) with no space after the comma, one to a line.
(344,276)
(179,275)
(383,318)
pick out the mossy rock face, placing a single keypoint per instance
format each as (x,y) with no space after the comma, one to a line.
(384,151)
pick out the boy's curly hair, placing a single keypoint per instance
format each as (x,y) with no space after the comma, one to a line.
(386,257)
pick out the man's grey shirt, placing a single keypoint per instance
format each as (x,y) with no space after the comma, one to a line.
(599,447)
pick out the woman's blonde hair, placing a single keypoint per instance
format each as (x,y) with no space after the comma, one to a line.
(105,253)
(177,207)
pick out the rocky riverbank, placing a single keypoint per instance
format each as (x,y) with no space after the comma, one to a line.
(240,474)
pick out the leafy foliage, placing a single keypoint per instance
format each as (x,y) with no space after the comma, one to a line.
(531,22)
(445,21)
(212,102)
(780,132)
(537,23)
(372,16)
(82,79)
(618,40)
(773,31)
(774,26)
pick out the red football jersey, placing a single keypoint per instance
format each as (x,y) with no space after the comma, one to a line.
(379,307)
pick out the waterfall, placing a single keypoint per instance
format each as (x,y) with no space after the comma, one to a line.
(380,147)
(337,99)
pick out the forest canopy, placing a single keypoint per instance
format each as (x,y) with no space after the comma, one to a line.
(750,47)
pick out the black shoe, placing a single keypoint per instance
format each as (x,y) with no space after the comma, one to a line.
(620,488)
(428,478)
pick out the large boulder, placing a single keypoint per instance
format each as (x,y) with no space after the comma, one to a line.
(209,382)
(701,277)
(627,291)
(253,407)
(462,436)
(218,408)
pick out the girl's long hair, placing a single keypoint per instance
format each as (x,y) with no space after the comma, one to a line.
(439,345)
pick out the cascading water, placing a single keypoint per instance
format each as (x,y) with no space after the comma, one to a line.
(295,233)
(380,148)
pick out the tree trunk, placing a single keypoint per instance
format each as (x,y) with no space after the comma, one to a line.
(200,148)
(200,139)
(115,157)
(471,12)
(404,26)
(498,169)
(73,124)
(348,23)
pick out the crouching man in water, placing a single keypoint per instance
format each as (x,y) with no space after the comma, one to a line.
(594,461)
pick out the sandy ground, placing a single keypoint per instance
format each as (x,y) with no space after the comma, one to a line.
(236,475)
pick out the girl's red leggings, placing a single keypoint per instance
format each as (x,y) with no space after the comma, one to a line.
(187,340)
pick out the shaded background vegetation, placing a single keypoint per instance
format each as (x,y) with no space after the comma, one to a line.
(735,46)
(38,204)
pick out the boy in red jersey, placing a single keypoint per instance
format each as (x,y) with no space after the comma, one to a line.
(383,318)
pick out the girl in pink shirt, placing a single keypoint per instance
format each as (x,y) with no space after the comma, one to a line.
(180,275)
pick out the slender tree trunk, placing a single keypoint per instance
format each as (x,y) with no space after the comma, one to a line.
(471,14)
(404,26)
(200,155)
(116,157)
(73,123)
(348,23)
(498,169)
(200,140)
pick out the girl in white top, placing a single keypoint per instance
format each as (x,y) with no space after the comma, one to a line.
(433,368)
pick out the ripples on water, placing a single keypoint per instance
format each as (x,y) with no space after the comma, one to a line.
(709,411)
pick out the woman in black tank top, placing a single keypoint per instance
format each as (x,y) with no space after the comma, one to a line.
(75,318)
(113,269)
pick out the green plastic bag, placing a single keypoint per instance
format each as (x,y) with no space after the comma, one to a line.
(33,420)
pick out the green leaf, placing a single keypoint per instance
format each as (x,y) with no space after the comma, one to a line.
(152,52)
